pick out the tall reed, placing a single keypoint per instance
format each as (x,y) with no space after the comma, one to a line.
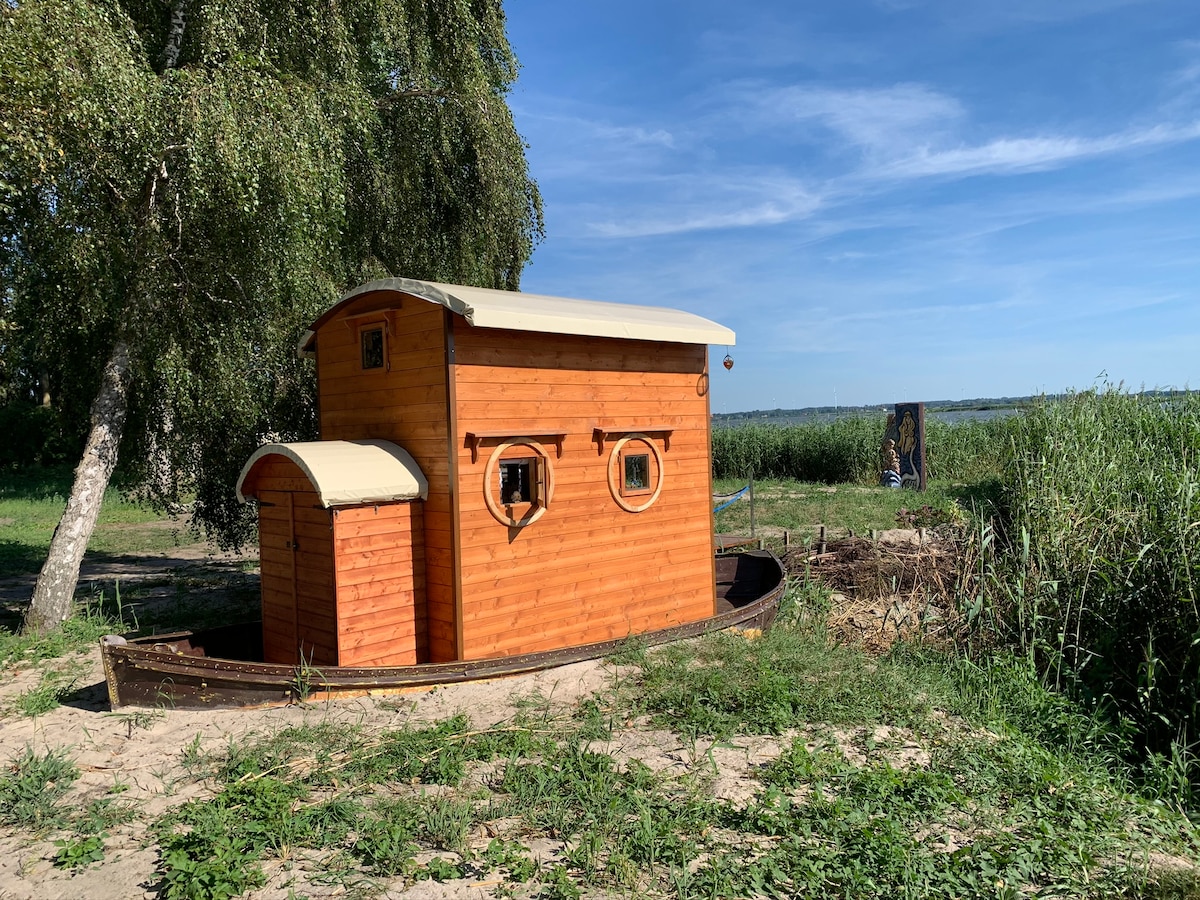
(847,450)
(1102,492)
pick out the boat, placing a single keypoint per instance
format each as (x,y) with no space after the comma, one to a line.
(222,667)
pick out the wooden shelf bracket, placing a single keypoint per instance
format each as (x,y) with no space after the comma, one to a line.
(475,438)
(600,433)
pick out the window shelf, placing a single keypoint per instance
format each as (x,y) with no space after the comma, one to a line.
(600,433)
(475,438)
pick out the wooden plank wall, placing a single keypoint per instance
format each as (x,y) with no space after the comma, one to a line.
(407,404)
(379,554)
(587,570)
(299,613)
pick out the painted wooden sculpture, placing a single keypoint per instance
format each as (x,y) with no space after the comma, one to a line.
(498,474)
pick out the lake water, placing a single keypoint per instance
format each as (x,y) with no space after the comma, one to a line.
(949,416)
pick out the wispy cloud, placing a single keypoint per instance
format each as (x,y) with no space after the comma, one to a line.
(1013,155)
(913,131)
(703,203)
(875,119)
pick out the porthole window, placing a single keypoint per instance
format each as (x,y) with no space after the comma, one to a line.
(518,483)
(372,346)
(635,472)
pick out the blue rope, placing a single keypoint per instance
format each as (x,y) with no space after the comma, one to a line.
(732,499)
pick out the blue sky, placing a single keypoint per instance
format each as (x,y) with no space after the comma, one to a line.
(886,199)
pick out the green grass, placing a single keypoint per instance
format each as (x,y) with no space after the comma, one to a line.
(32,502)
(104,615)
(54,684)
(32,787)
(800,507)
(1015,792)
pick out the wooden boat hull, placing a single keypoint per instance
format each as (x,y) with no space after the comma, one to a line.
(216,668)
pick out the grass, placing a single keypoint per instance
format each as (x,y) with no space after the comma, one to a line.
(32,502)
(1014,791)
(920,773)
(916,774)
(800,507)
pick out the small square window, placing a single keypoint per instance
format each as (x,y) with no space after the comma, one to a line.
(372,347)
(635,473)
(518,481)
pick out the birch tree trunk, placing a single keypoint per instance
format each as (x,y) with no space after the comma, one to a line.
(54,594)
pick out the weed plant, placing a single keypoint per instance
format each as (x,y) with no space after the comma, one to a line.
(32,789)
(99,616)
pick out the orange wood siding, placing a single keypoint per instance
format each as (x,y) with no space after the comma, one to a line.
(296,553)
(408,404)
(379,553)
(587,570)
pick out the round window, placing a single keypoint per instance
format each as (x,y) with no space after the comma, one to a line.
(635,472)
(518,482)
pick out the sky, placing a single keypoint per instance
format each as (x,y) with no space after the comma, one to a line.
(887,200)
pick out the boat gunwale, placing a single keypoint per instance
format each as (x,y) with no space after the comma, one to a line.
(141,655)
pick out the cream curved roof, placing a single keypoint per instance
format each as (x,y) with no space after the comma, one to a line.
(489,308)
(349,472)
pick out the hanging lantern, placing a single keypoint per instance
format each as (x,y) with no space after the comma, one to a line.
(728,361)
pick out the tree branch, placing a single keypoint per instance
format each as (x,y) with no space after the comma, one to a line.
(169,58)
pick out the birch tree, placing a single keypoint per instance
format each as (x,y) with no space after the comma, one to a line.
(184,185)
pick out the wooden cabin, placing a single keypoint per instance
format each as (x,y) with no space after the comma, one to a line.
(547,478)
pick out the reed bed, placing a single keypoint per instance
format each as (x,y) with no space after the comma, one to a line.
(847,450)
(1100,563)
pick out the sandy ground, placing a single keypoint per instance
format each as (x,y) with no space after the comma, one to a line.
(144,752)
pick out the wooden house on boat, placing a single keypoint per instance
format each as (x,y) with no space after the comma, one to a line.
(499,473)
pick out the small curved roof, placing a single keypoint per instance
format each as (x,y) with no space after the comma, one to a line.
(345,473)
(489,308)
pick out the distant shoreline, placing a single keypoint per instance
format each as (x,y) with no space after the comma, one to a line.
(982,407)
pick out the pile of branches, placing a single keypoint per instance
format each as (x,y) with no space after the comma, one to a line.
(903,585)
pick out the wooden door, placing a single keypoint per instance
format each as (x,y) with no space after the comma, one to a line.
(277,553)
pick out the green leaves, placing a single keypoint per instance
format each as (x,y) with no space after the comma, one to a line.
(209,213)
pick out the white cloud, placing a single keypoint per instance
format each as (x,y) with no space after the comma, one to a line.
(704,203)
(875,119)
(1007,155)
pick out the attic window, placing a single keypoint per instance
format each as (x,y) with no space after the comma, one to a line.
(371,340)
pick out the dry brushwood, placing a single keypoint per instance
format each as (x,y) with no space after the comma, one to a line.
(904,586)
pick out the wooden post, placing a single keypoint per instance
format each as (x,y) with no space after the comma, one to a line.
(821,538)
(751,474)
(787,540)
